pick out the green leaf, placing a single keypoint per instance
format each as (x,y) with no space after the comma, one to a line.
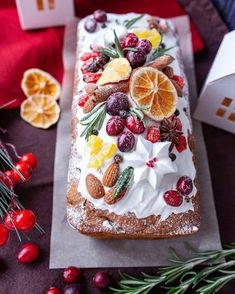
(118,45)
(109,52)
(129,23)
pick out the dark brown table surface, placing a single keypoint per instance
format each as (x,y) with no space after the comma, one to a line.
(37,194)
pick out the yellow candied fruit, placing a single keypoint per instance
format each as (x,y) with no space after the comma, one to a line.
(94,144)
(152,35)
(96,161)
(108,150)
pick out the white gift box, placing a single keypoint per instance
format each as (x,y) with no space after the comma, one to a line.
(216,104)
(44,13)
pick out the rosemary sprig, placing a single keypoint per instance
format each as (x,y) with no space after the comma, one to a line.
(159,51)
(184,274)
(117,44)
(129,23)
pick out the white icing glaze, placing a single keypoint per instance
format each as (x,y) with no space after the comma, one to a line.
(145,194)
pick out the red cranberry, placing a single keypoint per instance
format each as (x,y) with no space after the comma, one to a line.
(101,280)
(100,15)
(153,134)
(135,125)
(136,59)
(82,100)
(4,235)
(130,40)
(115,125)
(173,198)
(126,141)
(9,220)
(25,170)
(116,102)
(72,289)
(13,176)
(144,45)
(71,274)
(24,219)
(6,180)
(53,290)
(184,185)
(90,25)
(30,159)
(28,253)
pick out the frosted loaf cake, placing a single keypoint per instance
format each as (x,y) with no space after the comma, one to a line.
(132,170)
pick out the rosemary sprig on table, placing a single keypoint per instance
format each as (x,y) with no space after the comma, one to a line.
(181,276)
(129,23)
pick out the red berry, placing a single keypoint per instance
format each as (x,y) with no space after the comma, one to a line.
(72,274)
(179,80)
(25,170)
(9,220)
(28,253)
(182,144)
(90,25)
(24,219)
(144,45)
(126,141)
(101,280)
(87,55)
(130,40)
(135,125)
(173,198)
(91,77)
(4,235)
(153,134)
(184,185)
(100,15)
(72,289)
(115,125)
(82,100)
(6,180)
(30,159)
(53,290)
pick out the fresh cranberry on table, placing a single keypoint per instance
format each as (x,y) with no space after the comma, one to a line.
(144,45)
(28,253)
(101,280)
(100,15)
(4,235)
(13,176)
(30,159)
(116,102)
(90,25)
(184,185)
(53,290)
(135,125)
(115,125)
(136,59)
(130,40)
(153,134)
(173,198)
(24,219)
(72,274)
(126,141)
(25,170)
(6,180)
(72,289)
(9,220)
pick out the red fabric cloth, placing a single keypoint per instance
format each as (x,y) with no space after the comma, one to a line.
(21,50)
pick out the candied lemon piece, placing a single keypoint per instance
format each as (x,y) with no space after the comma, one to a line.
(96,161)
(117,70)
(152,35)
(108,150)
(37,81)
(94,144)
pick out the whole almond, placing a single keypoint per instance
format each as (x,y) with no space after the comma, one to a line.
(168,71)
(109,197)
(111,175)
(89,105)
(94,186)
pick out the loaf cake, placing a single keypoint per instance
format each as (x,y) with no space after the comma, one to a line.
(132,168)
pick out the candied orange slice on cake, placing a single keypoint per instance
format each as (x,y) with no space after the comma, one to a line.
(153,92)
(40,111)
(37,81)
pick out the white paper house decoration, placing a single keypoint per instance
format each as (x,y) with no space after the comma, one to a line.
(44,13)
(216,104)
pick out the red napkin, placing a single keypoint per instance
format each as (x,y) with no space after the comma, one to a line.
(21,50)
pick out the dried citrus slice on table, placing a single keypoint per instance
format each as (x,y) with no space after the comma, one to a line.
(153,92)
(37,81)
(40,111)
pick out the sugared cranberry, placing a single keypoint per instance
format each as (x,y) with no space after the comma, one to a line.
(30,159)
(136,59)
(173,198)
(24,219)
(72,289)
(53,290)
(126,141)
(115,125)
(144,45)
(24,169)
(184,185)
(182,144)
(153,134)
(135,125)
(4,235)
(100,15)
(28,253)
(130,40)
(91,77)
(101,280)
(71,274)
(116,102)
(90,25)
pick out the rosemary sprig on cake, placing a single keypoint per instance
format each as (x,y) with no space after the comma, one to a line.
(129,23)
(182,276)
(160,50)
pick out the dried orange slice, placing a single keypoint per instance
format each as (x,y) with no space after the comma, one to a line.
(153,92)
(117,70)
(40,111)
(37,81)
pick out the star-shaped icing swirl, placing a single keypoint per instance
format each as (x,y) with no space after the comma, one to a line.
(150,161)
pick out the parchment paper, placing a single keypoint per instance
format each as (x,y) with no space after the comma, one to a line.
(68,247)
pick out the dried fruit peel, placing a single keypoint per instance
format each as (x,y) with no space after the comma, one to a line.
(152,35)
